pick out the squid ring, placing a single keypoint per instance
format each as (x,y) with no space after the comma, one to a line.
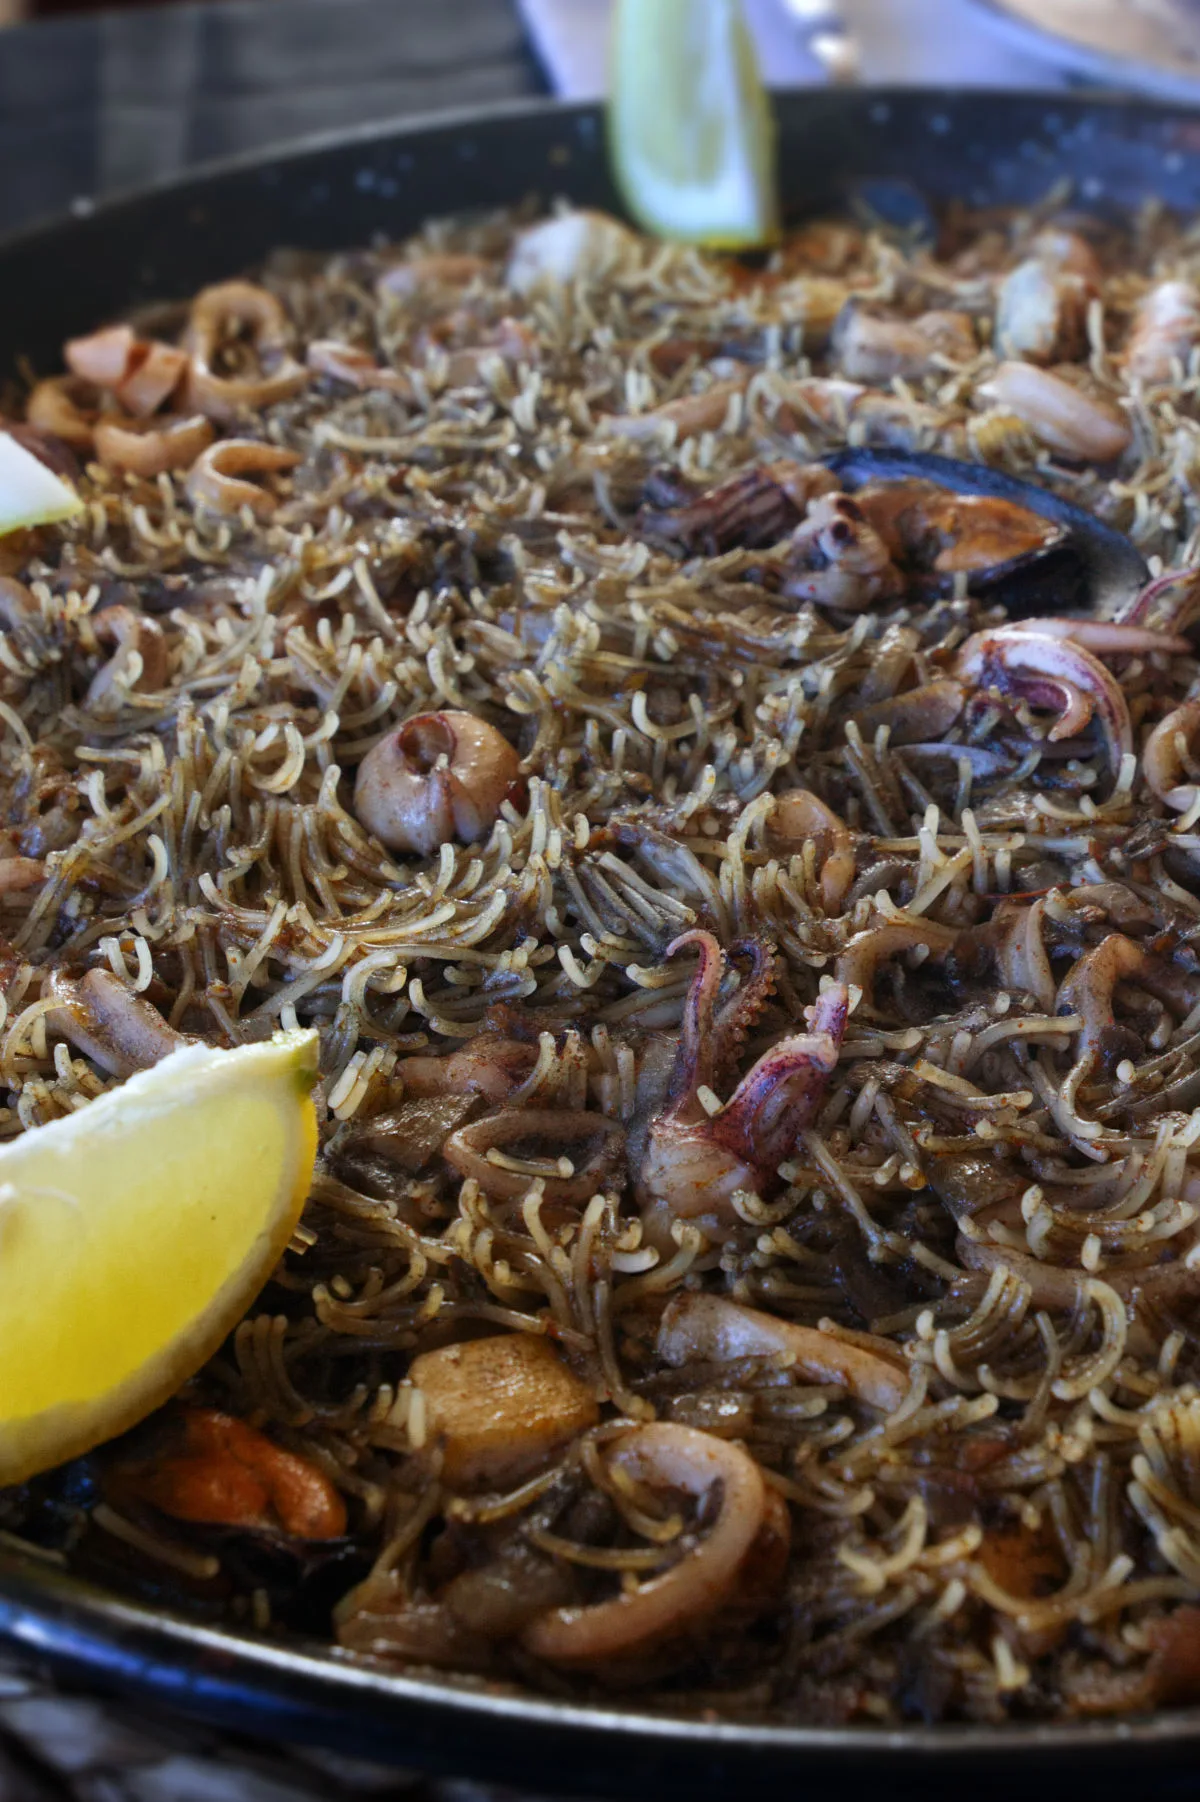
(467,1152)
(216,479)
(674,1457)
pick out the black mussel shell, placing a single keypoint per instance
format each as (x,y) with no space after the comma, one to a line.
(1090,569)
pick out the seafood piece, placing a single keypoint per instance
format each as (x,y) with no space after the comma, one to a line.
(939,537)
(836,558)
(227,1474)
(821,244)
(152,446)
(1168,605)
(64,407)
(677,420)
(753,509)
(500,1407)
(141,373)
(406,1138)
(1061,248)
(139,663)
(1051,672)
(1107,638)
(488,1065)
(710,1327)
(914,715)
(446,269)
(217,478)
(1021,958)
(573,1156)
(355,366)
(20,873)
(860,963)
(102,358)
(109,1023)
(154,373)
(1068,1286)
(893,656)
(1088,988)
(693,1162)
(1170,769)
(1086,427)
(242,315)
(1041,311)
(808,302)
(1166,329)
(833,405)
(436,778)
(801,817)
(674,1458)
(1105,574)
(579,246)
(510,342)
(872,346)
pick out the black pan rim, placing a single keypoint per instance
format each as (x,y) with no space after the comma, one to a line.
(74,1623)
(293,150)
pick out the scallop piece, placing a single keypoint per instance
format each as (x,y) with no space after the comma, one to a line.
(500,1407)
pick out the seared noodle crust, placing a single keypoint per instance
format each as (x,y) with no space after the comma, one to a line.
(969,1486)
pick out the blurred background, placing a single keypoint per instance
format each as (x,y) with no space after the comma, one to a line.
(94,100)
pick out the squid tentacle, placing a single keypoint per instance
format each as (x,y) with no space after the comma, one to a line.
(782,1094)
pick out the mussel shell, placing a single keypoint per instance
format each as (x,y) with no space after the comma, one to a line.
(1092,569)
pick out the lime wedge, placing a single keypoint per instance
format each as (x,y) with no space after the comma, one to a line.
(30,494)
(690,129)
(135,1233)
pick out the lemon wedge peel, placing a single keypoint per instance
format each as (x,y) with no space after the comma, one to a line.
(691,133)
(135,1233)
(31,494)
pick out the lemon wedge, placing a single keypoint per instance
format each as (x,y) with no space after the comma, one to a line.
(136,1232)
(690,129)
(31,494)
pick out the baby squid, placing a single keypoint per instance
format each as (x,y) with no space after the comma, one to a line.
(437,778)
(836,558)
